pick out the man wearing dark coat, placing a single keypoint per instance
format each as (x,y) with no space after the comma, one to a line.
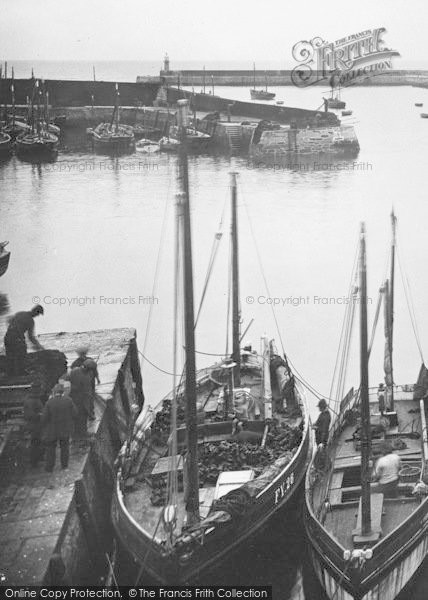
(81,394)
(322,424)
(58,423)
(14,341)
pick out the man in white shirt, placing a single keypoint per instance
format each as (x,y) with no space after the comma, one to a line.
(386,471)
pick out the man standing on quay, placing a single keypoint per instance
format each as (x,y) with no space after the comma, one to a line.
(58,421)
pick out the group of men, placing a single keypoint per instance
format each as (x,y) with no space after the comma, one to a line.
(70,404)
(65,414)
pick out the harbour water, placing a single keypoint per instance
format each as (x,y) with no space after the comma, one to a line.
(85,232)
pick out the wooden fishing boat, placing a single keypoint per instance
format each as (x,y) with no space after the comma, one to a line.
(39,141)
(368,540)
(4,258)
(195,140)
(193,483)
(113,137)
(11,125)
(334,101)
(419,104)
(260,94)
(6,145)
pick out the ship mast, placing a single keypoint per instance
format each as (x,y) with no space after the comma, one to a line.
(391,305)
(366,528)
(192,469)
(236,316)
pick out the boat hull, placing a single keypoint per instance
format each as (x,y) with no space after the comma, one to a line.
(225,541)
(395,562)
(261,95)
(4,262)
(113,145)
(6,146)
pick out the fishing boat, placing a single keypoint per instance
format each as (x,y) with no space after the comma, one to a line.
(424,115)
(113,137)
(346,113)
(419,104)
(6,145)
(368,540)
(260,94)
(195,140)
(39,141)
(206,469)
(11,125)
(334,101)
(4,258)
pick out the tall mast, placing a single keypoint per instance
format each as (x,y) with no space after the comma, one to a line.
(12,89)
(192,470)
(236,316)
(254,75)
(364,394)
(391,303)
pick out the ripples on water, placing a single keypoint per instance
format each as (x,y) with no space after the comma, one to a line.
(87,228)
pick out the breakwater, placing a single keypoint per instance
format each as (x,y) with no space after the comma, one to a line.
(82,93)
(298,117)
(208,78)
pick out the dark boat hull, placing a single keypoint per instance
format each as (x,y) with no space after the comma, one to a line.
(4,262)
(262,95)
(113,145)
(36,146)
(207,557)
(6,146)
(395,562)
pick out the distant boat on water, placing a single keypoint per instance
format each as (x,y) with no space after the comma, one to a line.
(419,104)
(38,141)
(113,137)
(424,115)
(4,258)
(346,113)
(260,94)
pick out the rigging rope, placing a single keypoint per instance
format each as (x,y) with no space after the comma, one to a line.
(155,280)
(410,305)
(300,378)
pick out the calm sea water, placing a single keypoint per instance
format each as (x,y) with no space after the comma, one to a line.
(85,235)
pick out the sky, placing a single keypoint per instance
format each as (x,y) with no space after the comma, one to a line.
(200,30)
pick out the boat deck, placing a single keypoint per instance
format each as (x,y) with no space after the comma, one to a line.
(343,490)
(137,496)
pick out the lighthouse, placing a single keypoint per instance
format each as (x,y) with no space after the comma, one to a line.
(166,63)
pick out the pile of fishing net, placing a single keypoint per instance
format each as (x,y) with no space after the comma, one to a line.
(231,455)
(161,426)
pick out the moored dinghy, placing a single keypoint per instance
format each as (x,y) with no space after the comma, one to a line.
(368,539)
(222,453)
